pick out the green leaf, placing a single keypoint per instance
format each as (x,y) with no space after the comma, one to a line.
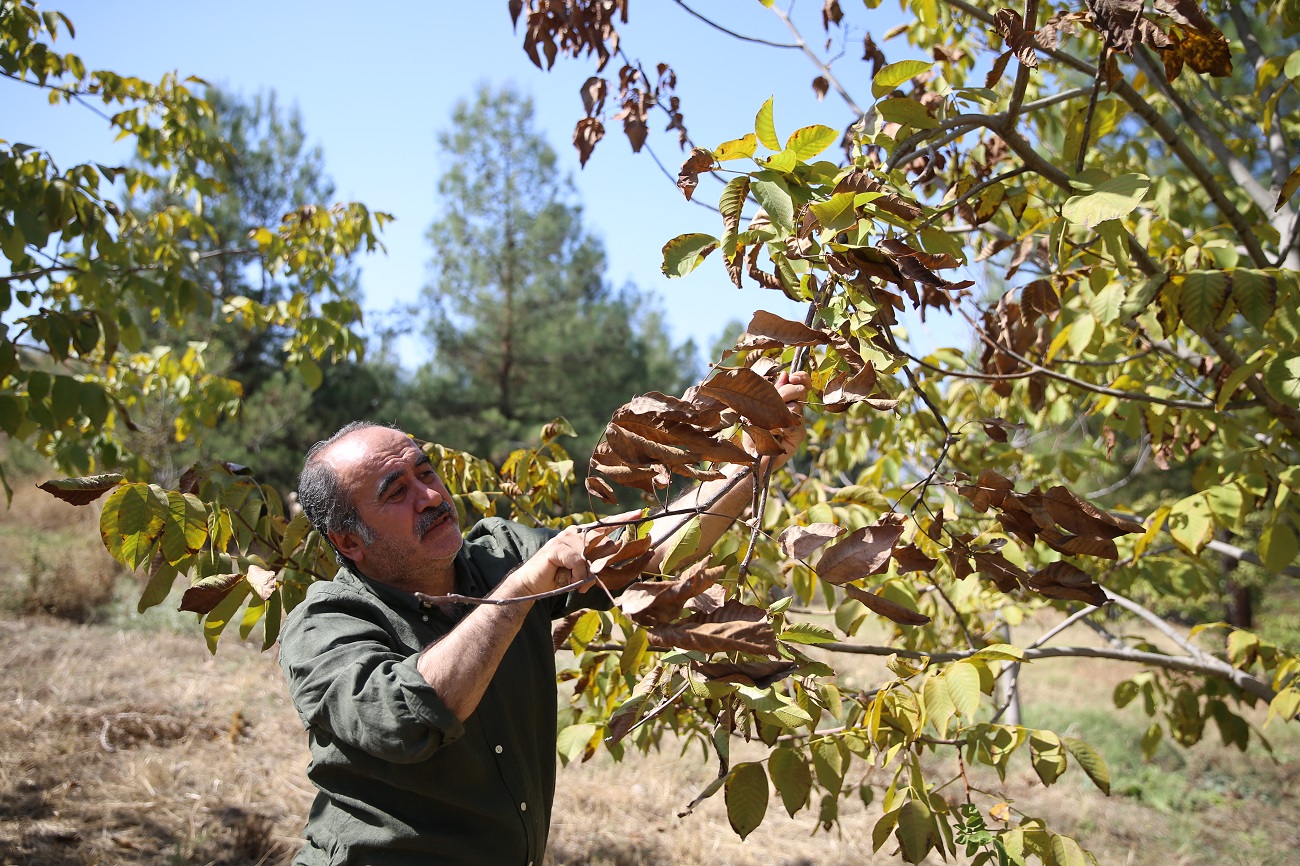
(938,704)
(1236,379)
(65,398)
(733,198)
(130,524)
(310,373)
(1080,334)
(1191,524)
(158,588)
(807,633)
(1255,294)
(774,197)
(963,680)
(916,831)
(1047,755)
(221,615)
(809,141)
(1226,504)
(684,544)
(836,213)
(186,527)
(1000,652)
(765,128)
(1106,304)
(1092,762)
(906,112)
(1066,852)
(791,776)
(1278,546)
(746,796)
(828,761)
(737,148)
(894,74)
(1113,199)
(572,742)
(1202,298)
(684,253)
(1282,379)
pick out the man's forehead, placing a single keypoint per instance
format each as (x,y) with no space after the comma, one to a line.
(373,451)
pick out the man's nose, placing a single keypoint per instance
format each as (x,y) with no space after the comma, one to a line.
(430,496)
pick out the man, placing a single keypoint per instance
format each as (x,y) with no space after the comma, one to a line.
(432,728)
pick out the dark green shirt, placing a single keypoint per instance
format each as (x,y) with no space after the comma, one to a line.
(401,780)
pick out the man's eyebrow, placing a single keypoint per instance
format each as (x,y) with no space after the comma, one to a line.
(392,477)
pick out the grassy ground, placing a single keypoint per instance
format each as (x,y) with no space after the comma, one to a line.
(123,741)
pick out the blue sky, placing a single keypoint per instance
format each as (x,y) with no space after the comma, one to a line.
(375,82)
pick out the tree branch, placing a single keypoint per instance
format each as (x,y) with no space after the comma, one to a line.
(733,33)
(817,61)
(1187,664)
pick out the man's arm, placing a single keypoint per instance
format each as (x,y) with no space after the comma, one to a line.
(461,664)
(732,496)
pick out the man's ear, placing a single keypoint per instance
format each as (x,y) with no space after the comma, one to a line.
(349,544)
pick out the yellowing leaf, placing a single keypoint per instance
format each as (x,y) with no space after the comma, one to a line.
(809,141)
(1278,546)
(906,112)
(836,213)
(1190,523)
(684,253)
(1092,762)
(765,128)
(1113,199)
(963,680)
(894,74)
(738,148)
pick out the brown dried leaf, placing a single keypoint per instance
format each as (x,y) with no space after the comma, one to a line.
(1080,545)
(998,69)
(1083,518)
(821,87)
(1117,21)
(708,601)
(800,542)
(831,13)
(586,134)
(653,604)
(889,609)
(208,593)
(863,552)
(1020,41)
(700,160)
(593,91)
(988,491)
(910,558)
(751,395)
(599,488)
(560,633)
(734,627)
(997,568)
(859,181)
(759,674)
(784,331)
(639,450)
(262,580)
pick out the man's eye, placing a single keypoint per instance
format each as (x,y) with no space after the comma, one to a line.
(397,494)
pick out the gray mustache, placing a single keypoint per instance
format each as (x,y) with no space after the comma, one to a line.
(431,517)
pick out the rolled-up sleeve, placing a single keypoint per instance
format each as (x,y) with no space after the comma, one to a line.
(347,678)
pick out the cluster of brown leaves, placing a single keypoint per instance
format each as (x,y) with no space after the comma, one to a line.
(569,27)
(1011,329)
(1057,517)
(736,416)
(1192,39)
(862,553)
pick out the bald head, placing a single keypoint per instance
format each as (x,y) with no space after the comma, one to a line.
(328,505)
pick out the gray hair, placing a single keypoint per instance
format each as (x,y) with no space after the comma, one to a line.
(327,505)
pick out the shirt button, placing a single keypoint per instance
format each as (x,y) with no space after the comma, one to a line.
(425,618)
(523,807)
(500,750)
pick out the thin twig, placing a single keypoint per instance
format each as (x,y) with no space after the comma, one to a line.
(734,34)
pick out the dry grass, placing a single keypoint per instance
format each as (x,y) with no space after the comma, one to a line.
(139,748)
(53,561)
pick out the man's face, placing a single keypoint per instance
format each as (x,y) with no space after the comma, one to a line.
(399,496)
